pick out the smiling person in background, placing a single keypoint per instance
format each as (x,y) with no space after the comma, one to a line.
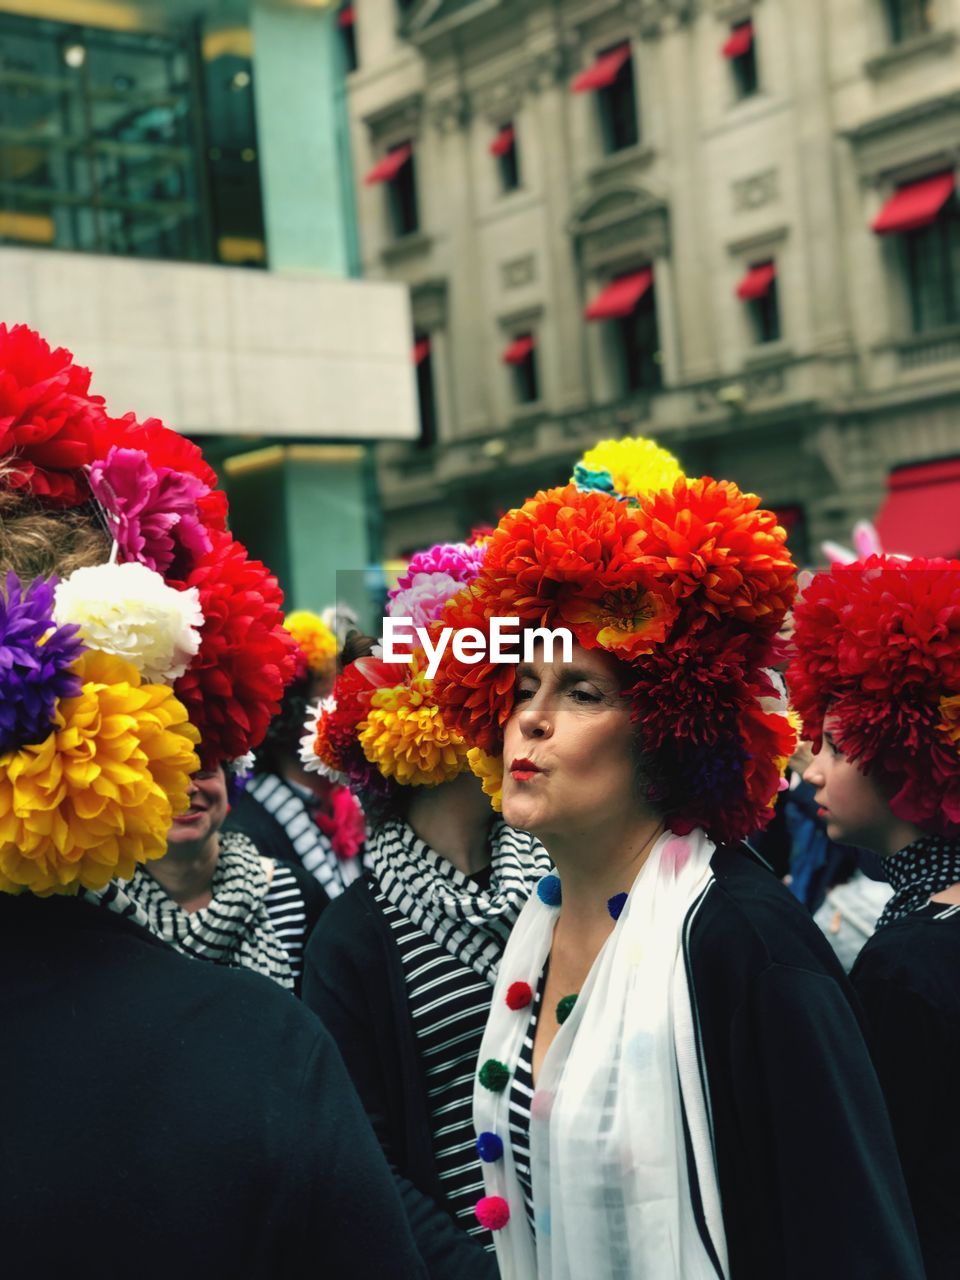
(198,1121)
(214,897)
(876,678)
(673,1083)
(289,814)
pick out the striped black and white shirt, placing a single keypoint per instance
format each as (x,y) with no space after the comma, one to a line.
(521,1098)
(449,1004)
(288,915)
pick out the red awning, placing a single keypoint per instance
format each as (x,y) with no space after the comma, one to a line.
(739,41)
(386,170)
(915,206)
(347,16)
(921,513)
(603,72)
(421,349)
(620,297)
(518,350)
(757,282)
(504,141)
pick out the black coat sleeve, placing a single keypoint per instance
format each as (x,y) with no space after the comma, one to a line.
(348,1219)
(844,1206)
(346,984)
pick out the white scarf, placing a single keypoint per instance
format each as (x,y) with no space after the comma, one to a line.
(611,1185)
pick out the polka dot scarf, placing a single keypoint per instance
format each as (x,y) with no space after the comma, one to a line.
(923,868)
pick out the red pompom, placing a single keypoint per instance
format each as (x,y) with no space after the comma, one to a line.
(234,686)
(47,418)
(519,995)
(493,1212)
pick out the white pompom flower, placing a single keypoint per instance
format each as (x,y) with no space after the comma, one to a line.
(308,755)
(128,610)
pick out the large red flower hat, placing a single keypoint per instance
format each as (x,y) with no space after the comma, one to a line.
(877,644)
(687,586)
(110,678)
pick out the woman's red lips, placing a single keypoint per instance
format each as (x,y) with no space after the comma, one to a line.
(523,770)
(823,813)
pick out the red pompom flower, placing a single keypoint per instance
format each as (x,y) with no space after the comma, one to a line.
(234,686)
(47,418)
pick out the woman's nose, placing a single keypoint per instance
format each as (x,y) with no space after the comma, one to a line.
(534,721)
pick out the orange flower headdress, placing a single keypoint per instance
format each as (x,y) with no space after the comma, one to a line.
(687,585)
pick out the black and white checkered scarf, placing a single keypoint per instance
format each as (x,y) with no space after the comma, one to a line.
(468,921)
(234,929)
(922,869)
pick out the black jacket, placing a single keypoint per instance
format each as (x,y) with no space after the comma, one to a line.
(164,1117)
(810,1182)
(908,977)
(353,979)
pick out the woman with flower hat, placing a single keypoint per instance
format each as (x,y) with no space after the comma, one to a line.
(876,678)
(401,967)
(165,1116)
(288,813)
(673,1082)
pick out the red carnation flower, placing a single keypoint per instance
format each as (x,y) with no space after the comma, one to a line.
(690,688)
(234,686)
(475,700)
(47,418)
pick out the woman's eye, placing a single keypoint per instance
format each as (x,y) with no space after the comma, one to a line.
(522,693)
(584,695)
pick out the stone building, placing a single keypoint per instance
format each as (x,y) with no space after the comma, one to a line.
(729,224)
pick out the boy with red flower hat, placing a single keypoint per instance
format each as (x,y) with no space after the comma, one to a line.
(876,678)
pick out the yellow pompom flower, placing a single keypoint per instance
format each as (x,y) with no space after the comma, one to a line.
(97,795)
(315,638)
(404,735)
(489,769)
(636,465)
(949,707)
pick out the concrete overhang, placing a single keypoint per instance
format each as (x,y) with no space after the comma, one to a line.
(223,350)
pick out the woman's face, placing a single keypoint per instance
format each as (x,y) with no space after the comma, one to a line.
(851,802)
(208,809)
(568,763)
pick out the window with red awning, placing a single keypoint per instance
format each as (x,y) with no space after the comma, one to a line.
(603,72)
(758,281)
(621,296)
(915,205)
(740,41)
(504,141)
(388,167)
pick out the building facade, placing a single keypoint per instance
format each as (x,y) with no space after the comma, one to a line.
(728,224)
(176,207)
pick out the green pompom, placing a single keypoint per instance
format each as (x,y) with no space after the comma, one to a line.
(494,1075)
(565,1008)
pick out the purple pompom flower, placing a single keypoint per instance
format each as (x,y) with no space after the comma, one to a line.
(34,671)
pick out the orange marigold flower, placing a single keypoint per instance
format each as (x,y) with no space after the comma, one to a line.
(720,553)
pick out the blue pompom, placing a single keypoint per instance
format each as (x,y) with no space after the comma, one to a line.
(616,904)
(549,891)
(489,1148)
